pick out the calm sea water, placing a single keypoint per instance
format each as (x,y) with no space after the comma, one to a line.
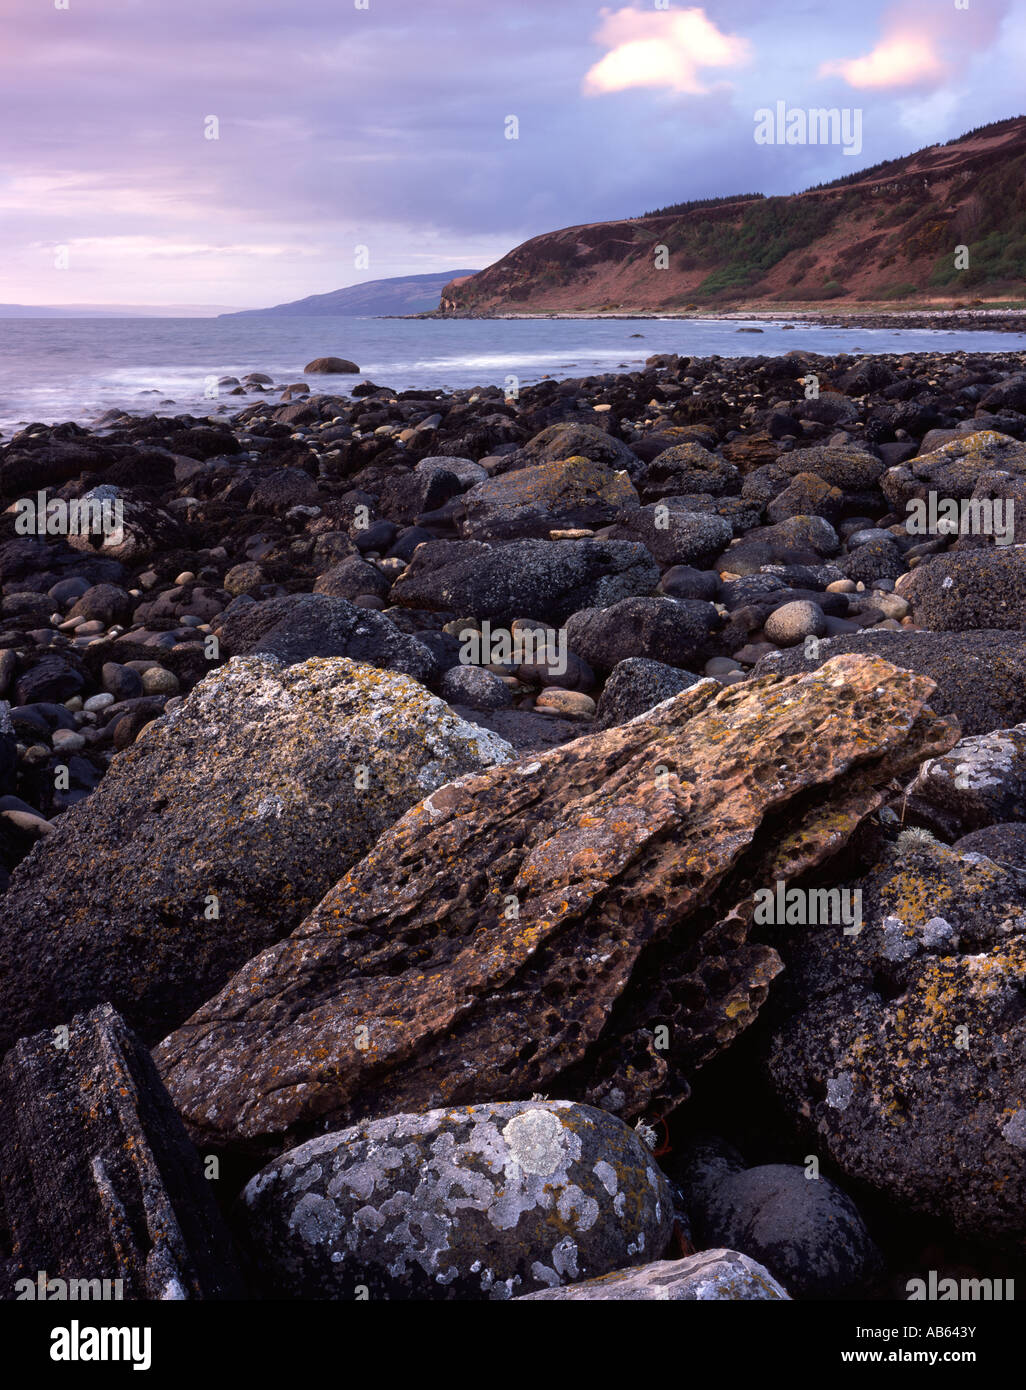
(74,369)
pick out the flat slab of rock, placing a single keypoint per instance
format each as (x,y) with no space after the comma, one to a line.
(479,950)
(97,1176)
(216,833)
(706,1278)
(481,1202)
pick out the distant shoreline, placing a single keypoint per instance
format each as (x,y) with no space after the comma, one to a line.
(965,320)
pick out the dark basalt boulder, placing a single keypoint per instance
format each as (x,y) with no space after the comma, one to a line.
(98,1180)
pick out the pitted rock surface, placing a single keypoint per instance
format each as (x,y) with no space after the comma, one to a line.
(542,920)
(484,1202)
(905,1056)
(261,789)
(710,1277)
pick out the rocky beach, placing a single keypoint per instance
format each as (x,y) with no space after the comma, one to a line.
(429,815)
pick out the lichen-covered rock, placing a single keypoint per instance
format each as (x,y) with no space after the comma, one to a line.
(486,1201)
(297,627)
(903,1053)
(709,1277)
(580,916)
(980,676)
(533,501)
(689,467)
(215,834)
(966,590)
(676,536)
(981,781)
(637,685)
(1004,843)
(953,469)
(144,529)
(98,1179)
(476,688)
(851,470)
(674,632)
(570,439)
(546,580)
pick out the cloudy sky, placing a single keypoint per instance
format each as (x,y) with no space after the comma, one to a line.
(383,124)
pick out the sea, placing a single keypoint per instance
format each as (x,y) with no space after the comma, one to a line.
(52,370)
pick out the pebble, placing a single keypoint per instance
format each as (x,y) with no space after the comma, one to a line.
(571,704)
(67,741)
(158,681)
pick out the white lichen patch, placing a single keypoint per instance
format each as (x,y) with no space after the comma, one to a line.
(465,1199)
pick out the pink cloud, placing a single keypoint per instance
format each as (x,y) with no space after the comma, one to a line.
(921,46)
(903,60)
(664,48)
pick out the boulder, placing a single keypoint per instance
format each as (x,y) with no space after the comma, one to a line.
(98,1180)
(850,470)
(331,366)
(980,676)
(1004,843)
(981,781)
(637,685)
(676,537)
(966,590)
(107,603)
(476,688)
(706,1278)
(549,911)
(674,632)
(477,1202)
(216,833)
(352,577)
(145,529)
(954,469)
(298,627)
(278,492)
(806,1231)
(533,501)
(902,1055)
(573,439)
(689,467)
(546,580)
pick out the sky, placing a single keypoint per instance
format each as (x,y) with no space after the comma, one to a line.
(216,152)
